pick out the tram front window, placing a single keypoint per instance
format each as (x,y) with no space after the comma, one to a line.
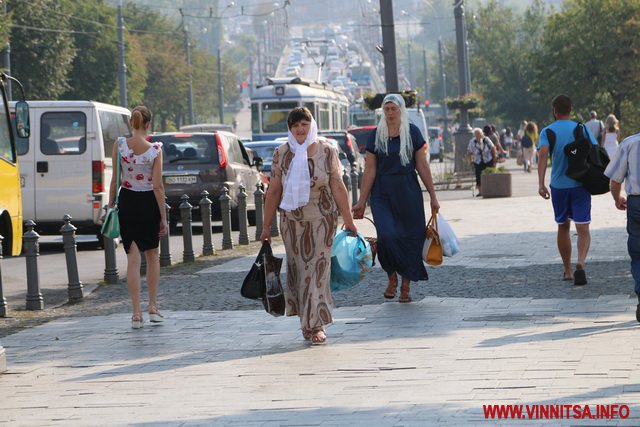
(274,116)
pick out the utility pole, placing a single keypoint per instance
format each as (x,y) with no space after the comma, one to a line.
(410,71)
(389,45)
(463,134)
(188,58)
(122,68)
(443,78)
(220,88)
(426,75)
(6,59)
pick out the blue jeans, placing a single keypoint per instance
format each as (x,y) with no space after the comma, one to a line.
(633,243)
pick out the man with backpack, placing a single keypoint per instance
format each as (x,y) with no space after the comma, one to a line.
(625,167)
(571,200)
(595,126)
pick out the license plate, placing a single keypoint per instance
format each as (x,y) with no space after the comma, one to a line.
(185,179)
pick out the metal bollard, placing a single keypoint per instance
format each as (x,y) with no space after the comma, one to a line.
(274,225)
(74,288)
(187,234)
(346,179)
(205,212)
(258,197)
(165,251)
(243,236)
(3,300)
(354,181)
(225,207)
(31,253)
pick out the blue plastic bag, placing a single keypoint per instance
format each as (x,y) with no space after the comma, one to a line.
(351,258)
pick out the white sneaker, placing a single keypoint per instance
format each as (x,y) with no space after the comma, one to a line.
(156,318)
(136,323)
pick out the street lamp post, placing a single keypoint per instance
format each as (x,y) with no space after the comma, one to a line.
(463,134)
(188,59)
(388,48)
(220,88)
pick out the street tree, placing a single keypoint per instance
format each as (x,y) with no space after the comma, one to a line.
(503,45)
(42,49)
(94,73)
(591,53)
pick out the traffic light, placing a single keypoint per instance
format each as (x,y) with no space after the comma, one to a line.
(426,104)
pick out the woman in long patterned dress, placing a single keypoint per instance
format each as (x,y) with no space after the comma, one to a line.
(394,153)
(306,185)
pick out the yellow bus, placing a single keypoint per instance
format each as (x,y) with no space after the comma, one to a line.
(10,197)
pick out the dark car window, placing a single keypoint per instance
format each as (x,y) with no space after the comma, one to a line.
(362,136)
(265,152)
(188,149)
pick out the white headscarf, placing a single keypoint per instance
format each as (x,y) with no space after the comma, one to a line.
(382,133)
(298,182)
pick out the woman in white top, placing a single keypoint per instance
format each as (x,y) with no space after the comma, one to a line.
(611,136)
(140,209)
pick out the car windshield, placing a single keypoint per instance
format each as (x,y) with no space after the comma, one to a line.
(188,148)
(265,152)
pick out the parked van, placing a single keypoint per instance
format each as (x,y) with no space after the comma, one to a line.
(65,165)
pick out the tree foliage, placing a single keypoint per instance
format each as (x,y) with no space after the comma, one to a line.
(592,53)
(94,72)
(503,47)
(42,49)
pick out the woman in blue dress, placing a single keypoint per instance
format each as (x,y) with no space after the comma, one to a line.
(395,152)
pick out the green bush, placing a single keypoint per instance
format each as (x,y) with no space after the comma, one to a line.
(500,169)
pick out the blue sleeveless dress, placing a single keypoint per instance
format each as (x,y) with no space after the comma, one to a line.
(398,208)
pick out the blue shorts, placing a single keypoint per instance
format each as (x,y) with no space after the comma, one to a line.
(571,203)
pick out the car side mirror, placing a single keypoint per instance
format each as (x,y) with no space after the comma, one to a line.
(257,162)
(23,129)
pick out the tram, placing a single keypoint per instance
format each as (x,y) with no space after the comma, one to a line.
(271,103)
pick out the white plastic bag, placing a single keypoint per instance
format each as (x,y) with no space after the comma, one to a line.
(448,239)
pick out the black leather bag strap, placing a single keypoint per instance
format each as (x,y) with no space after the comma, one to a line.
(551,137)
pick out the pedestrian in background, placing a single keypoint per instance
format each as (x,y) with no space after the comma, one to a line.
(141,209)
(395,151)
(529,141)
(306,185)
(611,135)
(482,154)
(595,126)
(507,140)
(625,168)
(571,201)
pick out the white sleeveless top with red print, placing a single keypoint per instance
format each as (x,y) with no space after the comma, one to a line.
(137,169)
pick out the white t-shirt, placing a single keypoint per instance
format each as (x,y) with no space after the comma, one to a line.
(596,127)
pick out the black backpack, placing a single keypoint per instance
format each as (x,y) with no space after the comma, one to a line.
(586,162)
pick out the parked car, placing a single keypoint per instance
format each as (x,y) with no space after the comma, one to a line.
(362,135)
(348,144)
(436,149)
(265,149)
(206,127)
(193,162)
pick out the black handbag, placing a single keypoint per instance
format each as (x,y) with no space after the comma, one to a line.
(253,286)
(273,298)
(263,281)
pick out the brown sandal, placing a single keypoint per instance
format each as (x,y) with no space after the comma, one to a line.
(319,337)
(392,288)
(405,296)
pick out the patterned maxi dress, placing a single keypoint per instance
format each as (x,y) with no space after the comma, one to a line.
(308,234)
